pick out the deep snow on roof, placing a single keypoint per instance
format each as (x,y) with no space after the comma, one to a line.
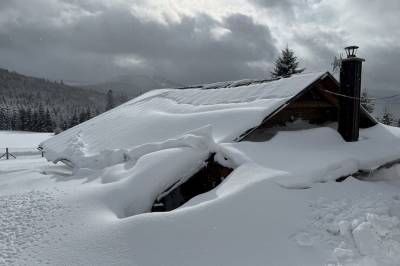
(230,108)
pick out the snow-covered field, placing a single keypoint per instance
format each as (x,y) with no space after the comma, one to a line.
(280,206)
(21,139)
(21,142)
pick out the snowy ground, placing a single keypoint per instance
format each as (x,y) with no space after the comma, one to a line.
(21,142)
(22,139)
(282,211)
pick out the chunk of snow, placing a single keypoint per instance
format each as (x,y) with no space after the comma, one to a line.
(321,155)
(78,155)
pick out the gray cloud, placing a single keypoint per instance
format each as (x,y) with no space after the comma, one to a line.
(195,49)
(322,28)
(284,4)
(89,40)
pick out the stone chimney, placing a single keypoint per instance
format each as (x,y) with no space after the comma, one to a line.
(349,102)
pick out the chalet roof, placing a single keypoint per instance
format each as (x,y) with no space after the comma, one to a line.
(230,108)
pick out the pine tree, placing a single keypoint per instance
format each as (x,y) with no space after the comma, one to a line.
(42,119)
(82,116)
(64,125)
(48,122)
(3,119)
(8,117)
(367,103)
(286,64)
(387,117)
(88,114)
(73,121)
(15,121)
(35,121)
(23,123)
(109,100)
(28,119)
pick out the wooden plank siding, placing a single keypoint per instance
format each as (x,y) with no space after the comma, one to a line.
(313,105)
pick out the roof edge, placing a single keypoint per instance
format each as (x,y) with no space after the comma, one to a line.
(282,106)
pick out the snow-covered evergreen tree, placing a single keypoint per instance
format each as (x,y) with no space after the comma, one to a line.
(74,120)
(23,120)
(88,114)
(82,116)
(48,122)
(35,121)
(42,119)
(3,119)
(110,100)
(286,64)
(15,121)
(387,117)
(64,125)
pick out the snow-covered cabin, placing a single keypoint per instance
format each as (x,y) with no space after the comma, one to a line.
(199,125)
(235,110)
(269,139)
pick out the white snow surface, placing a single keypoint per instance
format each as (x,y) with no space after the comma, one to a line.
(279,206)
(166,114)
(21,143)
(262,213)
(12,139)
(320,154)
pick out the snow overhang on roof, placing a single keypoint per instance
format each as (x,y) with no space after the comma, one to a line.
(230,108)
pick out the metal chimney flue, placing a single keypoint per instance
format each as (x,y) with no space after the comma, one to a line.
(350,90)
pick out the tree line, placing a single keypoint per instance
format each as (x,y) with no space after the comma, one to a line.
(40,105)
(40,119)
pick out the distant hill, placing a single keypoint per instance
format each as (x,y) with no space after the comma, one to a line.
(133,85)
(19,92)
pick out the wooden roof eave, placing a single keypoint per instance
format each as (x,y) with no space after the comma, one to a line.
(283,106)
(332,99)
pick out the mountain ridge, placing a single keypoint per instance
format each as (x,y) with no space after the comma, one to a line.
(133,85)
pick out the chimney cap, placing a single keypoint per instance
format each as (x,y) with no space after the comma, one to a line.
(351,51)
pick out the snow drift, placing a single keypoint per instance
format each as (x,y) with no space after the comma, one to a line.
(98,214)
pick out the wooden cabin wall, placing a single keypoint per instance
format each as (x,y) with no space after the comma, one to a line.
(315,107)
(312,108)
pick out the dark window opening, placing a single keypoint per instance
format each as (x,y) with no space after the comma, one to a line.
(207,178)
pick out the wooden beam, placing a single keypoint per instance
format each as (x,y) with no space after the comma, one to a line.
(329,97)
(310,104)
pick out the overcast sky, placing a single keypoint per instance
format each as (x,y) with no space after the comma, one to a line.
(193,41)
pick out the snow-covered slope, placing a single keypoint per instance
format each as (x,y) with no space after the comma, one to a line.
(167,114)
